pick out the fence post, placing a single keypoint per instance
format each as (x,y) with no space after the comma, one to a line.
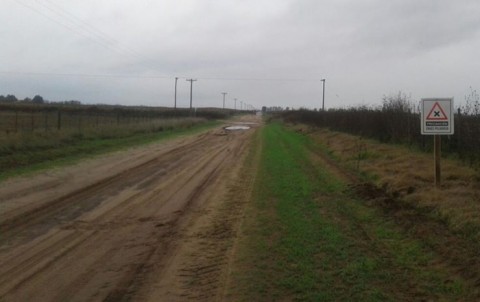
(46,120)
(16,121)
(59,120)
(32,120)
(80,122)
(459,133)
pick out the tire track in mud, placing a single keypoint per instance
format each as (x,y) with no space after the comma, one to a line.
(40,256)
(203,266)
(35,264)
(133,282)
(112,239)
(12,226)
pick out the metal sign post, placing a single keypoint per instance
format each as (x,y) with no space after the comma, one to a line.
(437,120)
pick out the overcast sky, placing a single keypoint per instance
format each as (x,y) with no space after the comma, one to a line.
(262,52)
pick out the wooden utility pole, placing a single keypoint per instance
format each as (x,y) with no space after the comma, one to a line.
(191,90)
(175,103)
(323,98)
(224,93)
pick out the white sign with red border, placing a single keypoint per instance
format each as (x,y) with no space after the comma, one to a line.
(437,116)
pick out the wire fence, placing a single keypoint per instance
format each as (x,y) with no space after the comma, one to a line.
(398,125)
(35,118)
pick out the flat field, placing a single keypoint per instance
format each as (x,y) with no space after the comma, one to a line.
(272,213)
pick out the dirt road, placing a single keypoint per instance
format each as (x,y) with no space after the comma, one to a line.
(151,224)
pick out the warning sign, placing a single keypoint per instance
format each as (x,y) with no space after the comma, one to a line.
(437,113)
(437,116)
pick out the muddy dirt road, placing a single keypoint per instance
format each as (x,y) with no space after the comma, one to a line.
(151,224)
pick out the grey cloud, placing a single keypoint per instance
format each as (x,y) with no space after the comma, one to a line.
(365,49)
(406,28)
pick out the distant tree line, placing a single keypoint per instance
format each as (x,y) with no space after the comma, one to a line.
(29,117)
(37,99)
(397,120)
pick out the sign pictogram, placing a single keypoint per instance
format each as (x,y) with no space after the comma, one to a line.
(437,116)
(437,113)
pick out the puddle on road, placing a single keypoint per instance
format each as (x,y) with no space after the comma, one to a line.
(232,128)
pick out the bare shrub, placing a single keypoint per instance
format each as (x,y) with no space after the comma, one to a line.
(397,120)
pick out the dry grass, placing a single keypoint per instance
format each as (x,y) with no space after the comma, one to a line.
(409,175)
(20,141)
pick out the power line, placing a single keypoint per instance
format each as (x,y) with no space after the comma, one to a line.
(57,9)
(82,23)
(82,28)
(95,35)
(85,75)
(260,79)
(153,76)
(68,27)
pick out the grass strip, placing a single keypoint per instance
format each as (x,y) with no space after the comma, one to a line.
(37,159)
(311,240)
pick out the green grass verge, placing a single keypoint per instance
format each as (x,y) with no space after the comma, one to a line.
(310,239)
(28,161)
